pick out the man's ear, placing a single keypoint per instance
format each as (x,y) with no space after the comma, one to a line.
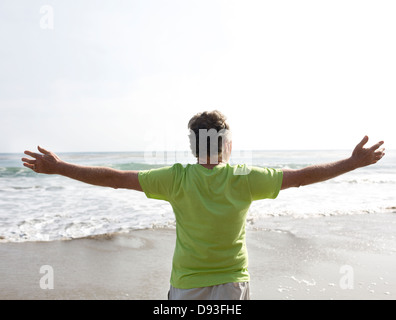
(228,149)
(229,146)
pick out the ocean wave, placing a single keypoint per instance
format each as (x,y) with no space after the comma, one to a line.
(58,228)
(75,232)
(17,172)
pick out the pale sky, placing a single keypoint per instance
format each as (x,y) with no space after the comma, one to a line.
(96,75)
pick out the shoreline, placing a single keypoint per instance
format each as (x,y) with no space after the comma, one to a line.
(283,264)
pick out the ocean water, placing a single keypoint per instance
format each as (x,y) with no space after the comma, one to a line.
(44,208)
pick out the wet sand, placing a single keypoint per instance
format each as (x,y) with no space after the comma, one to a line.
(137,265)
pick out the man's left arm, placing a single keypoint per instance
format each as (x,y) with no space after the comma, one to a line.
(360,157)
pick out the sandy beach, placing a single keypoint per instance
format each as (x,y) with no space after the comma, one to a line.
(335,263)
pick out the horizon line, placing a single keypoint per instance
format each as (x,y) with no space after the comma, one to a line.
(189,151)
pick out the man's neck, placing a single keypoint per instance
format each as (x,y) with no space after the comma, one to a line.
(209,165)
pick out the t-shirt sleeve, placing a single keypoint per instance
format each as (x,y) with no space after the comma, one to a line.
(158,183)
(264,183)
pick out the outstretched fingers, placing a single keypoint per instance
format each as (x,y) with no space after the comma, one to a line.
(30,161)
(377,145)
(37,155)
(30,166)
(379,153)
(42,150)
(363,142)
(43,162)
(32,154)
(367,156)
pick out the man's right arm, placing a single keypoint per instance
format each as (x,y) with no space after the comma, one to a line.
(360,157)
(47,162)
(101,176)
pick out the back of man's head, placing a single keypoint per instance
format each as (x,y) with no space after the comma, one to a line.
(209,132)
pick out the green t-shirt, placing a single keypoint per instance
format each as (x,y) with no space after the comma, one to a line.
(210,207)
